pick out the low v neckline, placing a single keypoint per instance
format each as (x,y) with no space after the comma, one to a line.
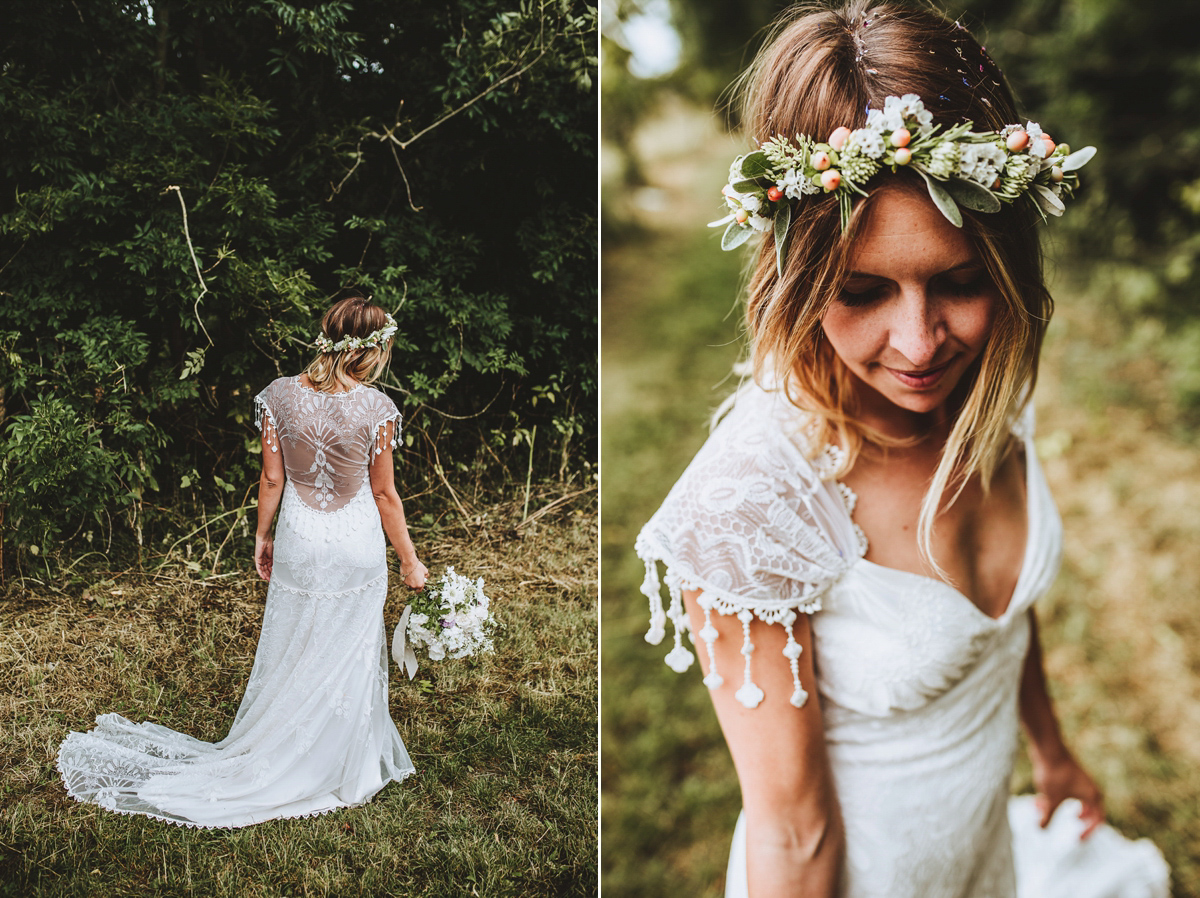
(1026,558)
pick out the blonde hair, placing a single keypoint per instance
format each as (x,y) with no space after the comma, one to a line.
(821,69)
(354,316)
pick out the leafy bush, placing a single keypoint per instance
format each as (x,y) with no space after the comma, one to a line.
(185,185)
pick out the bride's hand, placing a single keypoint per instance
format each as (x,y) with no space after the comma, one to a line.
(1064,779)
(264,555)
(414,577)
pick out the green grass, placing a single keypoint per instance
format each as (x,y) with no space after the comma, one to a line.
(1121,634)
(504,799)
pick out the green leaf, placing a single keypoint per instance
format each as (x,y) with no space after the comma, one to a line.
(747,186)
(1078,159)
(943,200)
(756,165)
(783,220)
(973,195)
(1047,201)
(735,235)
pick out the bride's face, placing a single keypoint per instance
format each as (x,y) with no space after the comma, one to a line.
(916,310)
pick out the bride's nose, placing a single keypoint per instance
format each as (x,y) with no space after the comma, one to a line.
(917,329)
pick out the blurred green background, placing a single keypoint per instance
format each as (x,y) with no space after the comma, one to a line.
(1118,403)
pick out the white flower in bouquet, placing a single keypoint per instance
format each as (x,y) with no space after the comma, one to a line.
(449,620)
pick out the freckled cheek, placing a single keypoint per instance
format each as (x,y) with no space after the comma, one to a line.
(856,335)
(972,324)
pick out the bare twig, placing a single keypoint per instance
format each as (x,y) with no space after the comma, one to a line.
(358,158)
(392,384)
(389,134)
(407,188)
(441,473)
(18,252)
(552,505)
(204,526)
(196,262)
(237,520)
(405,144)
(529,472)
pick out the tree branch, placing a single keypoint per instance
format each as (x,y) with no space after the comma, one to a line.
(405,144)
(191,249)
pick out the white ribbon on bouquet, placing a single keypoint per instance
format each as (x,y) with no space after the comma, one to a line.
(402,652)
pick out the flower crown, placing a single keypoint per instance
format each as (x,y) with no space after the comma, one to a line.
(959,166)
(375,338)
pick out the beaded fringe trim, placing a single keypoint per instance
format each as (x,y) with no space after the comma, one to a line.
(680,658)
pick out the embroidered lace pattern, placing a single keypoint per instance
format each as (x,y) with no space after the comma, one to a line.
(758,527)
(329,438)
(313,732)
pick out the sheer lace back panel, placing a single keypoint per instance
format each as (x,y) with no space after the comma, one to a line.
(329,438)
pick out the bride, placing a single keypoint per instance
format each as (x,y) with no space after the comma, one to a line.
(869,523)
(313,732)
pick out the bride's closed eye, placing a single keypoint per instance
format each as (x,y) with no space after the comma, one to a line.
(957,283)
(854,295)
(963,283)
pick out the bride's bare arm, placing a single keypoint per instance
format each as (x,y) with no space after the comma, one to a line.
(391,510)
(270,491)
(794,838)
(1056,773)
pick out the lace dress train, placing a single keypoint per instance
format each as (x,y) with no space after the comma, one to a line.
(313,732)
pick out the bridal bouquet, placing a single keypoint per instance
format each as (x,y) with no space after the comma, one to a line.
(450,620)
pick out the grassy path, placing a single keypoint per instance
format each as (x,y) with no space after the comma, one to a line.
(504,799)
(1120,625)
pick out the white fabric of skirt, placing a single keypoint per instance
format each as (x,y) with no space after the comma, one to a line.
(1049,863)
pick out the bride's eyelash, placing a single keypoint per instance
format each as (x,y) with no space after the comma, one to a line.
(970,287)
(944,284)
(855,298)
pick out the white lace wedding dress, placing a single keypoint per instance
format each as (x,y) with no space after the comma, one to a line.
(313,732)
(918,688)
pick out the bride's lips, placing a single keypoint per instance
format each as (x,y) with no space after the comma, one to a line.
(920,380)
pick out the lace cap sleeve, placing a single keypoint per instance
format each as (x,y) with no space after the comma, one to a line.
(754,524)
(386,419)
(264,415)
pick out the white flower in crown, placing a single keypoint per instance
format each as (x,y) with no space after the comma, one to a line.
(759,222)
(867,141)
(794,185)
(1038,146)
(897,112)
(982,163)
(882,120)
(911,107)
(375,338)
